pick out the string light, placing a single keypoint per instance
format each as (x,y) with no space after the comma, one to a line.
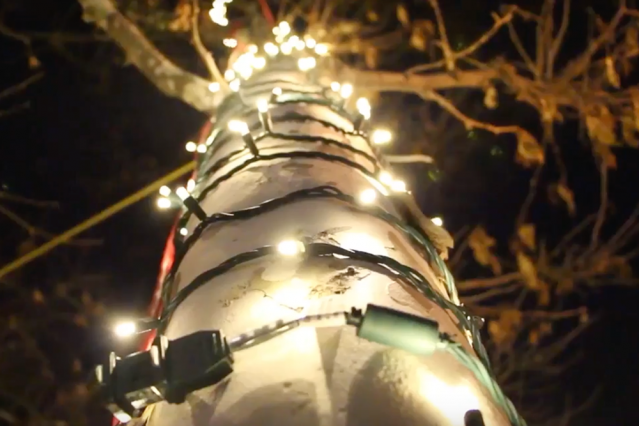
(191,146)
(307,63)
(184,232)
(275,94)
(290,247)
(364,107)
(346,90)
(190,185)
(229,74)
(230,42)
(218,12)
(368,196)
(214,87)
(335,86)
(164,203)
(271,49)
(438,221)
(321,49)
(165,191)
(310,42)
(235,85)
(201,148)
(190,203)
(386,178)
(381,137)
(398,186)
(125,329)
(265,117)
(259,62)
(242,128)
(286,48)
(252,49)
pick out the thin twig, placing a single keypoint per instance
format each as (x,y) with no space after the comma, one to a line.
(205,54)
(603,206)
(514,37)
(559,40)
(489,282)
(441,28)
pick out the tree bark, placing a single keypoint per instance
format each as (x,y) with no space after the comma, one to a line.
(309,377)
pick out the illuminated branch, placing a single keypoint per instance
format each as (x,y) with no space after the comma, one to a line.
(164,74)
(204,53)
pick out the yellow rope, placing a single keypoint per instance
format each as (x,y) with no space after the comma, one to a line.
(94,220)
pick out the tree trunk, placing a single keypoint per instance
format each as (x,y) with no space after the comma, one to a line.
(309,376)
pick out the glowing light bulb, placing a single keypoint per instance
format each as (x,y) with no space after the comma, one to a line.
(284,28)
(259,62)
(290,247)
(277,91)
(367,196)
(182,193)
(214,87)
(191,146)
(286,48)
(300,45)
(398,186)
(364,107)
(385,178)
(306,64)
(229,74)
(229,42)
(201,148)
(335,86)
(321,49)
(163,203)
(190,185)
(346,90)
(125,329)
(238,126)
(310,42)
(271,49)
(184,232)
(253,49)
(262,105)
(438,221)
(381,136)
(165,191)
(235,85)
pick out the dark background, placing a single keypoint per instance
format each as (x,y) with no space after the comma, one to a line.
(95,131)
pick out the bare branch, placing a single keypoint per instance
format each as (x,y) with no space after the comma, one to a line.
(559,38)
(205,54)
(16,88)
(165,75)
(481,283)
(603,206)
(444,44)
(412,158)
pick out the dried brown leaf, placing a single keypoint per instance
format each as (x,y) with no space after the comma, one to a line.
(371,57)
(490,97)
(529,152)
(481,244)
(526,233)
(38,297)
(566,194)
(600,124)
(418,39)
(402,16)
(528,270)
(611,73)
(605,154)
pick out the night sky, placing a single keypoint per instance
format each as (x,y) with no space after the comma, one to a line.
(94,132)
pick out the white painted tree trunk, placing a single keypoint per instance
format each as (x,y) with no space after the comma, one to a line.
(311,377)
